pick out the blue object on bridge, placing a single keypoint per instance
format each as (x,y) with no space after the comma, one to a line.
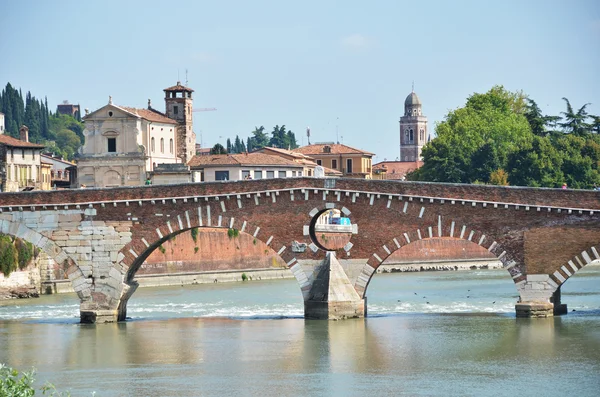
(345,221)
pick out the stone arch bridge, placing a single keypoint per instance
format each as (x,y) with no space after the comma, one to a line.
(101,236)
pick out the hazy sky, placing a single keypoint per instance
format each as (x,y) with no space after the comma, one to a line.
(321,64)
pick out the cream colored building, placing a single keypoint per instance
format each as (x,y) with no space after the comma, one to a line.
(20,163)
(351,162)
(124,144)
(236,167)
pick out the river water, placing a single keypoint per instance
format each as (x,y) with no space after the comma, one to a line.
(427,334)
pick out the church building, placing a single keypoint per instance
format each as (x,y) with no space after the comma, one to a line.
(413,129)
(123,145)
(413,136)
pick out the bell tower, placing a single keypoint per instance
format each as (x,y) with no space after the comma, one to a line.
(178,104)
(413,129)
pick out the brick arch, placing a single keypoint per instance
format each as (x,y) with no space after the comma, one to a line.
(139,248)
(54,251)
(566,271)
(313,214)
(429,232)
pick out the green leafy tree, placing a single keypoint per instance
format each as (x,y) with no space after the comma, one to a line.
(495,119)
(537,121)
(229,145)
(536,164)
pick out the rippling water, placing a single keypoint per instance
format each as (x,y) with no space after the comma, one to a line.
(442,333)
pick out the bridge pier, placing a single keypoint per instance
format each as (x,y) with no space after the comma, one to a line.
(540,297)
(331,295)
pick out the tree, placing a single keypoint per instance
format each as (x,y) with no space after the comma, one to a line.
(229,145)
(536,164)
(218,149)
(495,119)
(595,125)
(575,121)
(499,178)
(259,138)
(535,118)
(483,162)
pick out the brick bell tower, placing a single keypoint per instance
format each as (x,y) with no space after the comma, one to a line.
(178,104)
(413,129)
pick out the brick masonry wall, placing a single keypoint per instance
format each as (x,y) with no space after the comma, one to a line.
(212,250)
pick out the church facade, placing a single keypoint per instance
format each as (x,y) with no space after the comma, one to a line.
(123,145)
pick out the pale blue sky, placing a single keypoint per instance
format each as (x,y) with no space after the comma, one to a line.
(303,63)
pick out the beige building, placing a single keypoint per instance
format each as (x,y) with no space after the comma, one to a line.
(236,167)
(351,162)
(20,163)
(124,144)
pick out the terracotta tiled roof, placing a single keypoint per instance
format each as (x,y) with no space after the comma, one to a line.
(57,159)
(10,141)
(396,169)
(332,172)
(150,115)
(179,87)
(242,159)
(292,153)
(336,148)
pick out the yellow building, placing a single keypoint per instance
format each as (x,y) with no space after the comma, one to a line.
(353,163)
(46,175)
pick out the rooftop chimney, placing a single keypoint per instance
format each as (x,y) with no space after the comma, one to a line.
(24,133)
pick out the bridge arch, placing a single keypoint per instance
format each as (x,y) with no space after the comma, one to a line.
(137,251)
(434,231)
(81,285)
(566,271)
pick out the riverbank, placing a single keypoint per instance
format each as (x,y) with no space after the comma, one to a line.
(232,276)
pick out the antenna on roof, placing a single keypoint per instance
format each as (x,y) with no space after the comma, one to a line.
(186,79)
(308,134)
(413,86)
(337,139)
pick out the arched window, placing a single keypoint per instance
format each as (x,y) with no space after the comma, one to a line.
(171,145)
(162,145)
(411,136)
(422,135)
(152,145)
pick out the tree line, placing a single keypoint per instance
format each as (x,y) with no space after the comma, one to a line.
(62,134)
(503,138)
(280,138)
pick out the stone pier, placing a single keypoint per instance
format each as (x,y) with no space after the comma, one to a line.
(332,295)
(540,297)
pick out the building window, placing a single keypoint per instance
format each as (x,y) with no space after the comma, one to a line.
(23,152)
(349,166)
(171,145)
(152,144)
(270,174)
(162,145)
(411,136)
(176,109)
(282,174)
(319,161)
(245,174)
(112,145)
(221,175)
(257,174)
(422,133)
(334,164)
